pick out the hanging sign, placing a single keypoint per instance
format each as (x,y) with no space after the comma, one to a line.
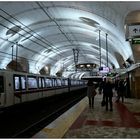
(104,69)
(133,31)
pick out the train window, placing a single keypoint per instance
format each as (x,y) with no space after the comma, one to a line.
(39,82)
(54,82)
(66,82)
(23,82)
(72,82)
(75,82)
(63,82)
(1,84)
(48,82)
(58,82)
(32,82)
(43,82)
(17,83)
(78,82)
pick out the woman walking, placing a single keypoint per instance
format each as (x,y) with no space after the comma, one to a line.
(91,93)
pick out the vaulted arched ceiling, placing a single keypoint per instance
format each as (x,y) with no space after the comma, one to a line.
(47,32)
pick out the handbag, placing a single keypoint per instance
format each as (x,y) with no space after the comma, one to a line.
(103,103)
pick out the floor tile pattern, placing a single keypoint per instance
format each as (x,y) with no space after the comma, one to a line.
(122,122)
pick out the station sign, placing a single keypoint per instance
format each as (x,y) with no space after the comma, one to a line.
(104,69)
(133,31)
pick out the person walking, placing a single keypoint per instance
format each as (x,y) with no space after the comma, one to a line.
(91,93)
(121,90)
(108,93)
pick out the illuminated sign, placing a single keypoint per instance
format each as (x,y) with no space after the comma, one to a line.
(135,41)
(104,69)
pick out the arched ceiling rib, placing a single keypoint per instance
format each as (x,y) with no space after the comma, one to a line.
(46,32)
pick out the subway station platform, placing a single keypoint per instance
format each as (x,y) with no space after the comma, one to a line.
(82,122)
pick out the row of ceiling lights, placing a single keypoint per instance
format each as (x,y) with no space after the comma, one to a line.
(87,66)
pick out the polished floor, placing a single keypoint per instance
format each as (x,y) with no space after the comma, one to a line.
(83,122)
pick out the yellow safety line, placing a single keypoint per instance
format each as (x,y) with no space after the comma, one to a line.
(63,123)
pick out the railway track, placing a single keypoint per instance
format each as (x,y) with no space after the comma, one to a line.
(37,115)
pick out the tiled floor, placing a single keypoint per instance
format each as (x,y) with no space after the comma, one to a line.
(123,122)
(82,122)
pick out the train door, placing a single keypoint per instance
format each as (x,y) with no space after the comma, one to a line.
(2,94)
(9,89)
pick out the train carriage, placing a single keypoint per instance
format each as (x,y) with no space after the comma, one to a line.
(19,87)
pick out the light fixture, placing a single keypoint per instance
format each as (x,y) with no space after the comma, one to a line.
(100,46)
(12,31)
(88,65)
(81,66)
(90,22)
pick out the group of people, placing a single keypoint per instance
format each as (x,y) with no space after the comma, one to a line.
(106,87)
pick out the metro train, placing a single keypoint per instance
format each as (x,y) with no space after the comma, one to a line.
(18,87)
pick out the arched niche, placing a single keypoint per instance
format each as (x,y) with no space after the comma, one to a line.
(45,70)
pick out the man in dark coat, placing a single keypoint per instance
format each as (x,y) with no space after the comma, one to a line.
(108,93)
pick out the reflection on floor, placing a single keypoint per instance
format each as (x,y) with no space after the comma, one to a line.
(82,122)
